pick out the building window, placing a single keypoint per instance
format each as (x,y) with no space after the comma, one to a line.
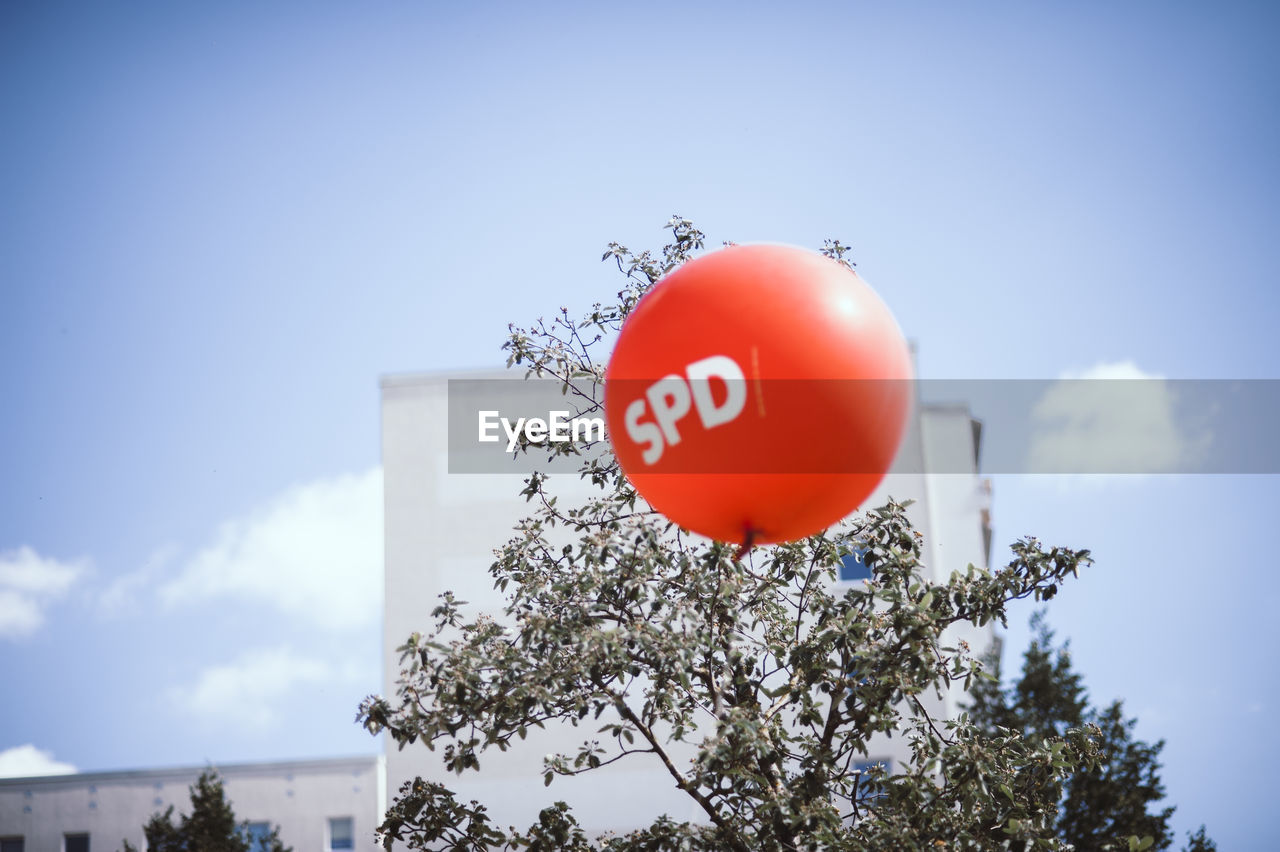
(75,843)
(859,675)
(258,833)
(870,789)
(11,844)
(855,565)
(341,834)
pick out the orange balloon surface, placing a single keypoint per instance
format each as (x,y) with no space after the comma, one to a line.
(758,393)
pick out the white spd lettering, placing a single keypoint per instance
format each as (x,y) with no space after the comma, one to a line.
(671,397)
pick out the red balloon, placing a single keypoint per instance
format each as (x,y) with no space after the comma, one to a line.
(758,393)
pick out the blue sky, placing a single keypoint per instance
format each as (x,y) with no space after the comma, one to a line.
(222,223)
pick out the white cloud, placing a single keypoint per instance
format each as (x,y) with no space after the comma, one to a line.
(1091,422)
(30,582)
(1117,370)
(314,552)
(247,692)
(124,594)
(25,761)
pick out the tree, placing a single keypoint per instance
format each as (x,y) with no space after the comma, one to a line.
(756,662)
(1198,842)
(210,827)
(1110,799)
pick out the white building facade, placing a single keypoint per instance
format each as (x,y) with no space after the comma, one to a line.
(441,532)
(320,805)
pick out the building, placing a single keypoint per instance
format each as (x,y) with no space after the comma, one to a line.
(442,528)
(320,805)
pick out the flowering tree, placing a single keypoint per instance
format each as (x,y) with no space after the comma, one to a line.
(775,677)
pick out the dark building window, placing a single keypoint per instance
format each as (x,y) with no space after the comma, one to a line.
(869,789)
(341,834)
(854,566)
(75,843)
(10,844)
(258,832)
